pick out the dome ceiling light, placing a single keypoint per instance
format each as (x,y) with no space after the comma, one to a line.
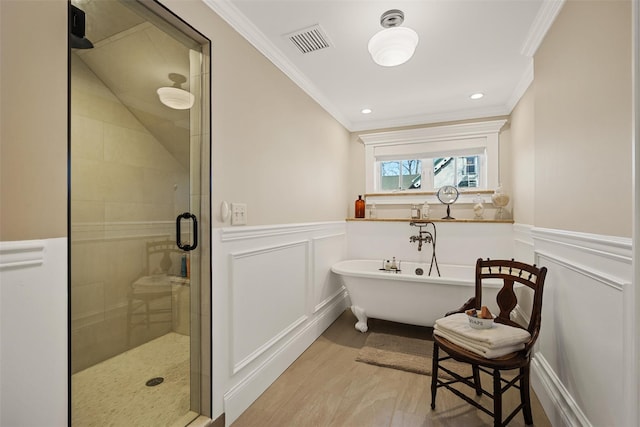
(394,45)
(174,96)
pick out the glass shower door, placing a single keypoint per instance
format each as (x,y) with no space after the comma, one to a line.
(136,263)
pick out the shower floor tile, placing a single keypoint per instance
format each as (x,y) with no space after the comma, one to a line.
(114,392)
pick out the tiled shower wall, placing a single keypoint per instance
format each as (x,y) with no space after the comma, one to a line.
(126,190)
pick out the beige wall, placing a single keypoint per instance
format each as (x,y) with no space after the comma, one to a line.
(582,105)
(582,126)
(522,159)
(274,148)
(265,130)
(357,181)
(33,119)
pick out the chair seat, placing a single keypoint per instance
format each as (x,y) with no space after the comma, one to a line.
(508,361)
(158,281)
(158,285)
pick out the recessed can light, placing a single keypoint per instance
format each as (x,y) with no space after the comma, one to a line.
(366,111)
(477,95)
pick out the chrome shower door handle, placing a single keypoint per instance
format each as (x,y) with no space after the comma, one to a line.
(187,215)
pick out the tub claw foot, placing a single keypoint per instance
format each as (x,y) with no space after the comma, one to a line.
(361,325)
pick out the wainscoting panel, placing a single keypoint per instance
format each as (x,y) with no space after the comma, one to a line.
(523,243)
(582,338)
(268,292)
(33,332)
(456,242)
(273,295)
(327,250)
(578,369)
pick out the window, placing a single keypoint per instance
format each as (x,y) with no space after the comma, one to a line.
(419,160)
(400,174)
(459,171)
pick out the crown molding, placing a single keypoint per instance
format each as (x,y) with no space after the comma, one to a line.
(436,133)
(541,24)
(426,119)
(228,12)
(521,87)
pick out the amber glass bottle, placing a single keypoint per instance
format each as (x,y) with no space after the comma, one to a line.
(360,207)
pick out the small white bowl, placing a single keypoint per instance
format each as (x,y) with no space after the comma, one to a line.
(479,323)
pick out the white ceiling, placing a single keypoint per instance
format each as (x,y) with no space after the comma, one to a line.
(466,46)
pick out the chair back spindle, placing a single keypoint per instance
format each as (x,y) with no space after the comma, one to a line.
(511,274)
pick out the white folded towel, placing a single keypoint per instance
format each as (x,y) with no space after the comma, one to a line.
(474,347)
(496,337)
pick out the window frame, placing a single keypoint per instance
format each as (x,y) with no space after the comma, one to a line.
(432,142)
(427,172)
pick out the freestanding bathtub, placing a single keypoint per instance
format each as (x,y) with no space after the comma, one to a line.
(406,296)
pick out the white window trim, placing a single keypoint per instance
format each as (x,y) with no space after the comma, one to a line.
(431,140)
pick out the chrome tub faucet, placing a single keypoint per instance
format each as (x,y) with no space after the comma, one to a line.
(426,236)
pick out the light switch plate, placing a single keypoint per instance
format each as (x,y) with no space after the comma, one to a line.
(238,213)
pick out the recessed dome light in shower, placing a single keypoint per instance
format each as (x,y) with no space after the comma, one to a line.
(174,96)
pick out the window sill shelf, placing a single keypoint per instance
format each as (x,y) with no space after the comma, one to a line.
(493,221)
(410,197)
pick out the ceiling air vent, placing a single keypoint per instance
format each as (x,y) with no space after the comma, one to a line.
(309,39)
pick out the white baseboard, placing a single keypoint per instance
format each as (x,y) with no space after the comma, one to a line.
(553,395)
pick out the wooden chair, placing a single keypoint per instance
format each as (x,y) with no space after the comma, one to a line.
(150,299)
(510,272)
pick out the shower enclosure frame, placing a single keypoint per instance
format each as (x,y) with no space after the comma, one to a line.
(202,314)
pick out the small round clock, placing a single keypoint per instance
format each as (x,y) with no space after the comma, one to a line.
(448,195)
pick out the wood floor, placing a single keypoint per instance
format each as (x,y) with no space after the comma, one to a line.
(327,387)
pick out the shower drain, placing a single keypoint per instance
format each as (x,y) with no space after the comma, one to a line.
(154,381)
